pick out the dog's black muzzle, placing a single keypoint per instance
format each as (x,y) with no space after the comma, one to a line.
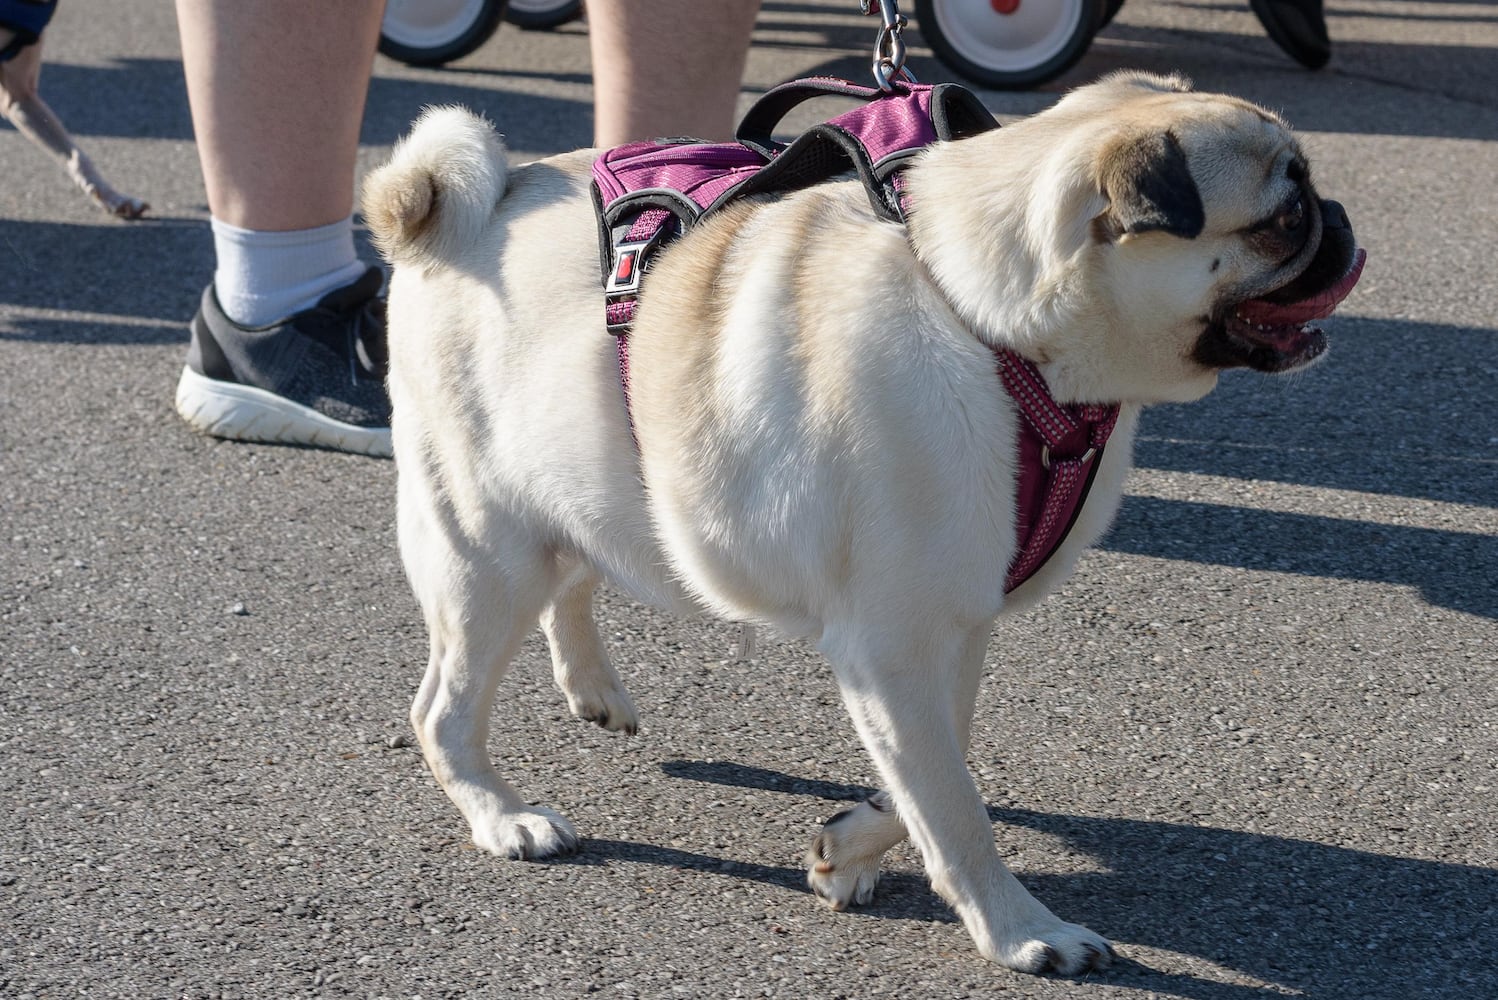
(1334,257)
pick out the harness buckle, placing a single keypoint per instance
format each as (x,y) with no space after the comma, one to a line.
(628,266)
(1045,456)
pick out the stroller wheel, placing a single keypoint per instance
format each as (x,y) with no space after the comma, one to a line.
(1010,44)
(433,32)
(538,15)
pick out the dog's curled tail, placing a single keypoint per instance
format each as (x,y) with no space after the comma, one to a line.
(439,189)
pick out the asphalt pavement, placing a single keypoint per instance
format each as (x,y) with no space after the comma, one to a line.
(1253,741)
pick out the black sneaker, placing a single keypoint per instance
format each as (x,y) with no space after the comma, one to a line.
(316,378)
(1298,27)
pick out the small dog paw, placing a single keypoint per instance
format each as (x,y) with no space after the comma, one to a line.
(608,707)
(528,835)
(1065,949)
(840,884)
(121,206)
(130,208)
(843,863)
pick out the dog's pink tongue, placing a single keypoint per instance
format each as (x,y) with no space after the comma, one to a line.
(1318,306)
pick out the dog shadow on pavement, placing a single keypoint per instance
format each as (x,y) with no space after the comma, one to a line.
(1444,566)
(1369,441)
(1314,919)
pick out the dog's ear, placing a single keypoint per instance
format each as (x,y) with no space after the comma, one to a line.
(1159,83)
(1149,188)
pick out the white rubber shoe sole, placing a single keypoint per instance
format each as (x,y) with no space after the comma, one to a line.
(244,413)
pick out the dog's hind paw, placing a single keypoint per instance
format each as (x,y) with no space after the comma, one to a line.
(527,835)
(607,706)
(1064,949)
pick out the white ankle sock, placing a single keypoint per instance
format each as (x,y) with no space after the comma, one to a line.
(263,277)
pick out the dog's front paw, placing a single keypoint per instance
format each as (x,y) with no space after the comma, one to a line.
(840,884)
(527,835)
(1067,949)
(843,862)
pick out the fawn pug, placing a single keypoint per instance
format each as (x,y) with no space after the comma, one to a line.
(816,438)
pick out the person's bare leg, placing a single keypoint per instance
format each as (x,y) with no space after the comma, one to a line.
(277,89)
(21,103)
(667,67)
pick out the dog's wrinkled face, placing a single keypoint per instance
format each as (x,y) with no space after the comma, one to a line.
(1228,183)
(1140,238)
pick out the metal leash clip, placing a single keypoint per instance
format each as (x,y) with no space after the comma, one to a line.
(889,47)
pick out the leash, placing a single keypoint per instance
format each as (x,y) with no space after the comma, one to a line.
(889,47)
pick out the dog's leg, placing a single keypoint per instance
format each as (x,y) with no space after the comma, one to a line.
(477,613)
(579,663)
(901,695)
(843,863)
(22,105)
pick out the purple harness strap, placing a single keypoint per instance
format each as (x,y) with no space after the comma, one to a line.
(647,194)
(1059,451)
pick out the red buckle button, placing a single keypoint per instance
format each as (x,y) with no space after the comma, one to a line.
(626,267)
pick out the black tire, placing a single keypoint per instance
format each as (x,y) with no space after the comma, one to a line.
(540,15)
(425,44)
(1110,11)
(942,26)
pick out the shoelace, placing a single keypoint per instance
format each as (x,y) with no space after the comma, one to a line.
(369,349)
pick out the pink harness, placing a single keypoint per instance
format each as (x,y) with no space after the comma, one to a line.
(648,194)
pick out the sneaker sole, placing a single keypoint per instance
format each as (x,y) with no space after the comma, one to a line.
(244,413)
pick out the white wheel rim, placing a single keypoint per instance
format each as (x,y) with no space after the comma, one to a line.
(1037,31)
(429,24)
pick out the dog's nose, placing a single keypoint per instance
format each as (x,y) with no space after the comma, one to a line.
(1334,216)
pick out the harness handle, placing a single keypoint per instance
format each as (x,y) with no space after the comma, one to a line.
(757,128)
(876,140)
(953,112)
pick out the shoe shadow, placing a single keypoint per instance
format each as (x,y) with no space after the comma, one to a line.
(1346,424)
(126,296)
(1343,426)
(1313,919)
(1253,66)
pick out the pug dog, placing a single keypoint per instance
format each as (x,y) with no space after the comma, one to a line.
(815,437)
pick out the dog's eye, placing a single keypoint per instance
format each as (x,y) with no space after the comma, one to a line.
(1292,218)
